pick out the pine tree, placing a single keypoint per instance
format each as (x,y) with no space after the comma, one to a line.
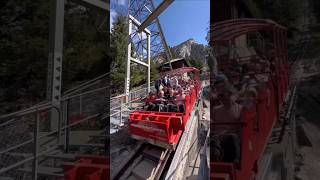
(118,52)
(24,35)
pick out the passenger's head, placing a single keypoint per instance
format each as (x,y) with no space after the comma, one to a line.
(161,93)
(171,91)
(250,97)
(220,79)
(225,93)
(251,93)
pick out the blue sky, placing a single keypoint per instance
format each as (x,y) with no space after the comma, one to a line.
(185,19)
(182,20)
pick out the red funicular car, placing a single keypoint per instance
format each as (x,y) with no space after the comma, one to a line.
(259,70)
(164,124)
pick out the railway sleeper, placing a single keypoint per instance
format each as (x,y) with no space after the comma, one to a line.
(152,153)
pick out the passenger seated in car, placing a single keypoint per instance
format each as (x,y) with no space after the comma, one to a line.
(160,101)
(174,82)
(170,95)
(228,112)
(171,106)
(150,102)
(180,101)
(250,98)
(167,93)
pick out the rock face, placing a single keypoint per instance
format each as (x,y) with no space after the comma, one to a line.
(192,49)
(188,49)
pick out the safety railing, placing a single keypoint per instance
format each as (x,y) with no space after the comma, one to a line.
(119,114)
(120,109)
(204,172)
(26,137)
(21,137)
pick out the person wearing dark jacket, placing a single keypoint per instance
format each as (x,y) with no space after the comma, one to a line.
(166,82)
(157,84)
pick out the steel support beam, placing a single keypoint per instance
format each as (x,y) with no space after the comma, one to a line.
(134,22)
(55,59)
(139,62)
(127,82)
(154,15)
(142,10)
(137,23)
(149,59)
(163,39)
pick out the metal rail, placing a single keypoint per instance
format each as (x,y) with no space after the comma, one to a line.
(301,48)
(146,157)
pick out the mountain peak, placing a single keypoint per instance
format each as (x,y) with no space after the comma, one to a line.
(188,49)
(191,41)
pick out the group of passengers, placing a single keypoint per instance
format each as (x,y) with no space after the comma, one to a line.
(247,81)
(231,97)
(170,94)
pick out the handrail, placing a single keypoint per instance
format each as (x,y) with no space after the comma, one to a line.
(28,110)
(204,164)
(85,84)
(84,93)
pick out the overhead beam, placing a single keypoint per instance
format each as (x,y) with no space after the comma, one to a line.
(97,4)
(163,39)
(139,62)
(163,6)
(137,23)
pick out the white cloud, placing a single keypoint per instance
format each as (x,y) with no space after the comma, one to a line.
(113,16)
(119,2)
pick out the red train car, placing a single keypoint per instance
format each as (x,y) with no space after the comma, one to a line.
(89,167)
(255,123)
(163,126)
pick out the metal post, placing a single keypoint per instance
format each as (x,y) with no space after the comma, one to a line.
(55,59)
(35,146)
(64,119)
(127,83)
(61,118)
(121,102)
(67,130)
(148,56)
(80,104)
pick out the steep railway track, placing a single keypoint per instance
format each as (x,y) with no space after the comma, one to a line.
(296,57)
(151,162)
(284,133)
(147,162)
